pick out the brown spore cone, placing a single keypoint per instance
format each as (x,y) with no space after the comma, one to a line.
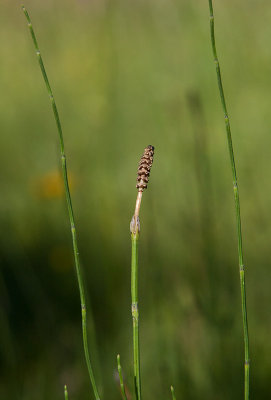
(144,168)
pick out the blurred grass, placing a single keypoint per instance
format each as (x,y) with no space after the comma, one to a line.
(122,73)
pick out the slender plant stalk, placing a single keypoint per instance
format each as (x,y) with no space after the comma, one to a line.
(237,205)
(135,312)
(143,174)
(122,387)
(70,209)
(66,393)
(172,393)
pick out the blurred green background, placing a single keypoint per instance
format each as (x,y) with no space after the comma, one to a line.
(127,74)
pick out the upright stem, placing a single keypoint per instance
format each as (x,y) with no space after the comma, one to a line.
(135,313)
(138,204)
(237,205)
(172,393)
(135,228)
(70,209)
(66,396)
(122,387)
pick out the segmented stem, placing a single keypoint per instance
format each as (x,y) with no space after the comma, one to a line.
(69,205)
(237,205)
(135,312)
(122,388)
(143,174)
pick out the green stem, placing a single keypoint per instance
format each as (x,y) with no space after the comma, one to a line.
(122,388)
(70,209)
(237,205)
(172,393)
(66,393)
(135,313)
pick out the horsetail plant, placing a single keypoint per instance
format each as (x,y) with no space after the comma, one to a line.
(70,209)
(143,174)
(237,205)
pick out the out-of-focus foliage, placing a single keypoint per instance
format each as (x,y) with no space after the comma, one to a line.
(126,74)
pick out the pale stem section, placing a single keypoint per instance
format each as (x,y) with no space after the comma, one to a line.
(138,203)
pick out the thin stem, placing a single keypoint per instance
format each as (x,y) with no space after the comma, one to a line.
(138,203)
(135,229)
(237,205)
(66,393)
(172,393)
(69,205)
(122,388)
(135,313)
